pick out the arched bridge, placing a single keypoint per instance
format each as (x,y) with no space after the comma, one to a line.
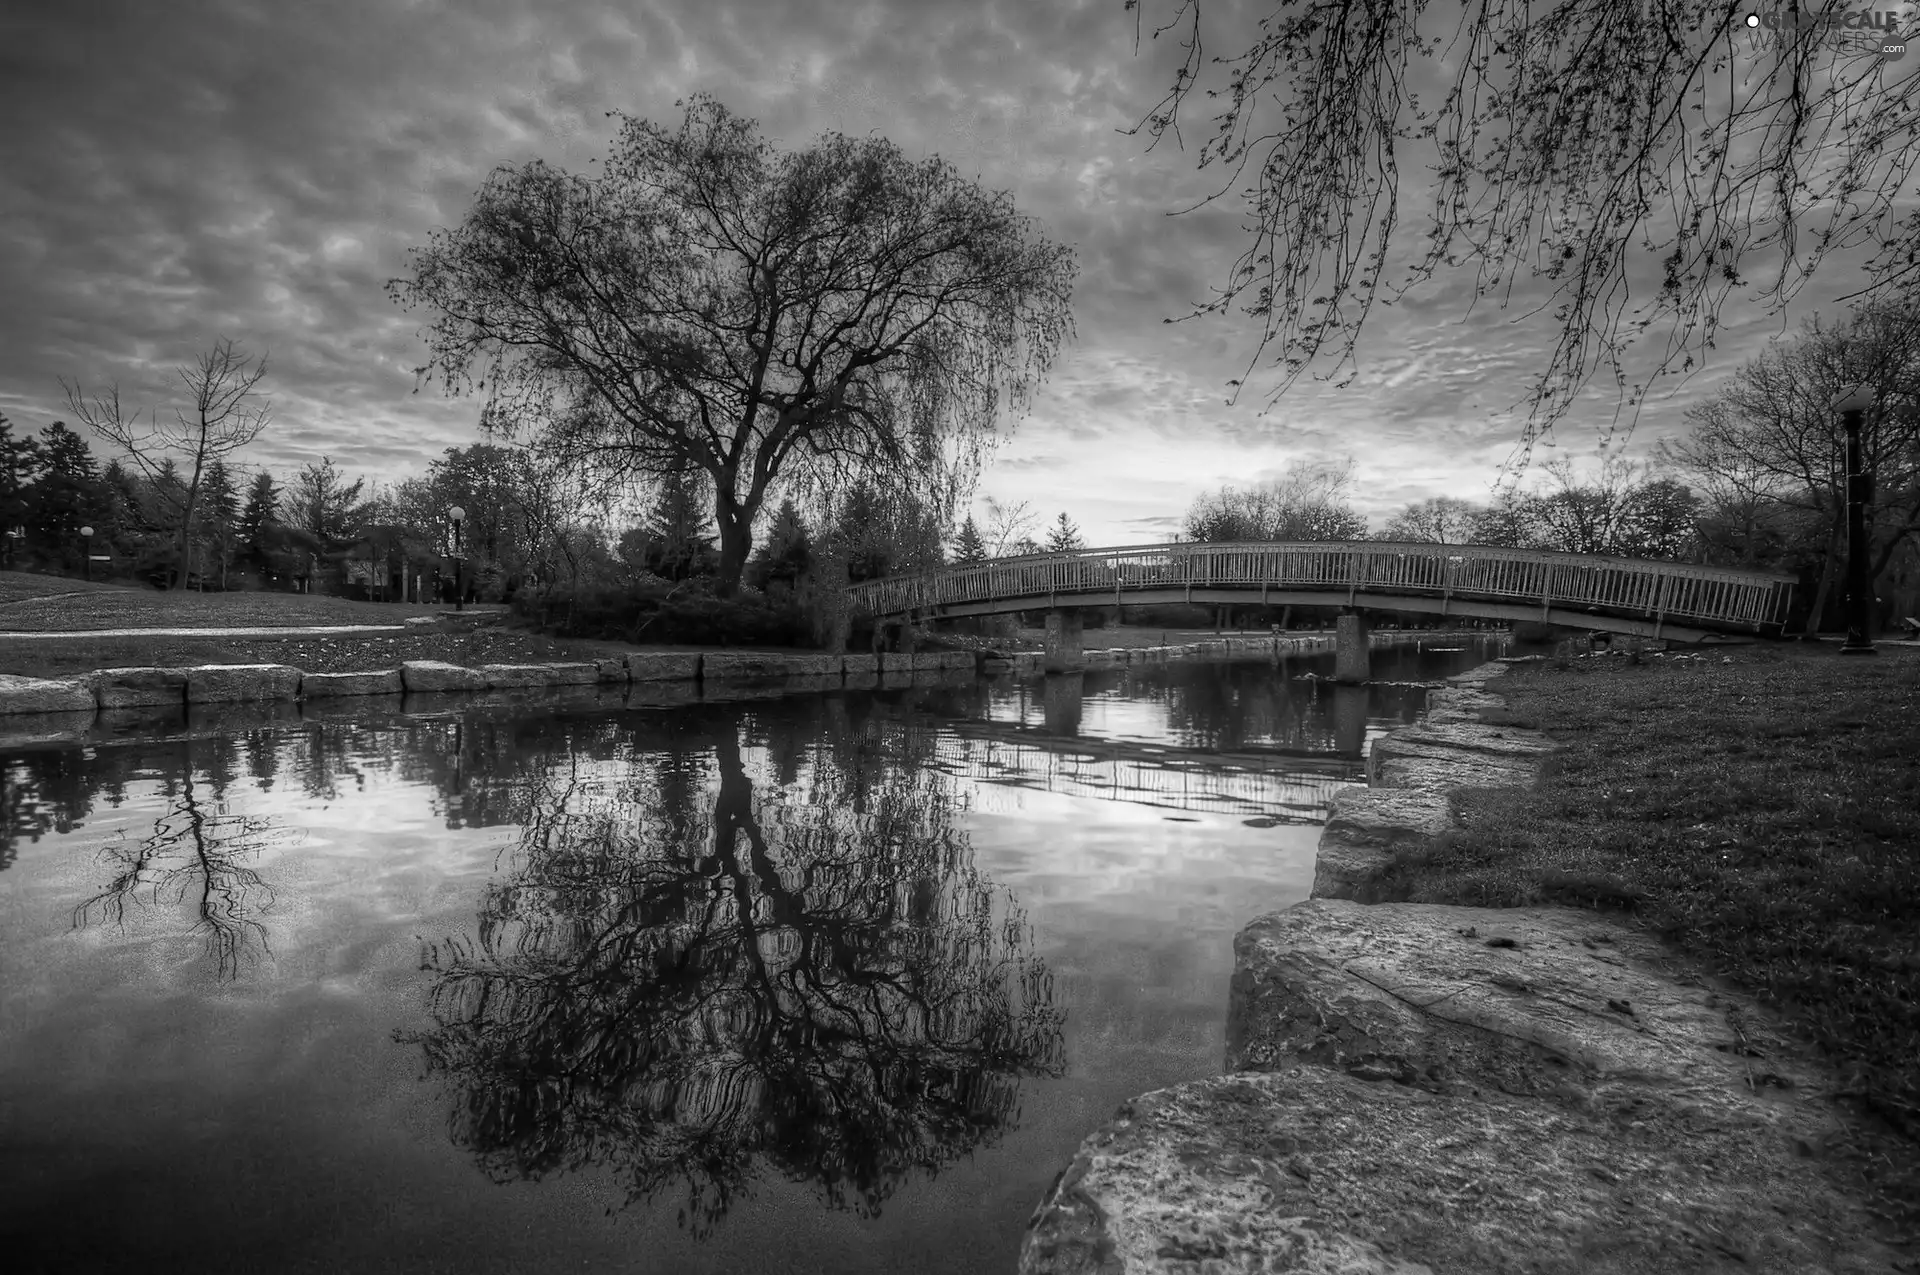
(1622,595)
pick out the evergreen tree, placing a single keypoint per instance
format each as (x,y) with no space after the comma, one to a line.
(786,552)
(1063,536)
(967,545)
(324,504)
(121,520)
(262,507)
(677,544)
(65,497)
(218,516)
(20,465)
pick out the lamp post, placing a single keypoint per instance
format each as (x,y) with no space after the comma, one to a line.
(1852,406)
(87,565)
(458,515)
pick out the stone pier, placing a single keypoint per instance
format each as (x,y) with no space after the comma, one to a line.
(1350,720)
(1065,653)
(1350,649)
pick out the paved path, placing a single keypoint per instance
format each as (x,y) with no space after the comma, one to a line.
(310,630)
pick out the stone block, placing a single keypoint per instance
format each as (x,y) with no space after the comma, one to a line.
(959,660)
(1098,659)
(992,664)
(663,666)
(612,671)
(241,683)
(501,676)
(328,685)
(925,660)
(436,676)
(852,664)
(45,695)
(138,687)
(737,666)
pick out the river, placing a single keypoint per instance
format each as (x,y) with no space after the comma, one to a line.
(824,983)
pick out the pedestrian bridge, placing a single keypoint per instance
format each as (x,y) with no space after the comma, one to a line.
(1621,595)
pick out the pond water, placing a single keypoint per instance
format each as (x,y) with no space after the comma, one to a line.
(833,982)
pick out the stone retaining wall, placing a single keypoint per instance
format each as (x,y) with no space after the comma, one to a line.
(1417,1088)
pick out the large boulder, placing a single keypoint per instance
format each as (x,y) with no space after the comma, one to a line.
(612,671)
(45,695)
(138,687)
(329,685)
(428,676)
(241,683)
(663,666)
(1319,1172)
(1365,826)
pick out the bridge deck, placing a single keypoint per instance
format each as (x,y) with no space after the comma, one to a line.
(1626,594)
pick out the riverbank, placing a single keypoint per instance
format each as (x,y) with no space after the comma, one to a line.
(1572,1091)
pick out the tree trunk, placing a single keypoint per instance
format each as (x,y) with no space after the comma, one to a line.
(736,537)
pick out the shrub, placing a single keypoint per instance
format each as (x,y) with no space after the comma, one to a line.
(654,611)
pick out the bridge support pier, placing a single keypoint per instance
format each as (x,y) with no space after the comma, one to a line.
(1060,702)
(1351,662)
(1064,653)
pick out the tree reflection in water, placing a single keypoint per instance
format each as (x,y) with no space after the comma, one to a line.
(194,858)
(685,978)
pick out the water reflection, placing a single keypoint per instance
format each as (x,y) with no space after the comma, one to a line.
(193,860)
(687,974)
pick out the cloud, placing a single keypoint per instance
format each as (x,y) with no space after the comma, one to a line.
(258,170)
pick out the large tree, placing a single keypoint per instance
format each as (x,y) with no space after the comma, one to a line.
(707,302)
(221,420)
(1581,145)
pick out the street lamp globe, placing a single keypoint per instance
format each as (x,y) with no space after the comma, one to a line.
(86,531)
(457,514)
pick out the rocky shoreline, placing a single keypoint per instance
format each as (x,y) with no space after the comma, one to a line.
(1423,1088)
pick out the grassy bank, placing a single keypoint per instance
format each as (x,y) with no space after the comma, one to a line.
(344,653)
(38,604)
(1759,808)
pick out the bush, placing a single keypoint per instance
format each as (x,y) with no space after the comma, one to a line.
(653,611)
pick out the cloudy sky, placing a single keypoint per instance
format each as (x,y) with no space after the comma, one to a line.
(256,169)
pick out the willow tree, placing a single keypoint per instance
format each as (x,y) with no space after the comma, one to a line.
(1586,145)
(707,302)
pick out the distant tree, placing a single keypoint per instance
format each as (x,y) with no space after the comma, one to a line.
(66,496)
(220,517)
(322,503)
(967,545)
(1309,502)
(1441,520)
(1010,527)
(786,552)
(20,464)
(678,546)
(1510,521)
(123,513)
(262,507)
(219,423)
(709,304)
(1662,521)
(1063,536)
(886,531)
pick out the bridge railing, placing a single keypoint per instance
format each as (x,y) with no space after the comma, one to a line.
(1678,592)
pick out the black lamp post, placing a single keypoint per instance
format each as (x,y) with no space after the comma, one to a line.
(458,515)
(1852,406)
(87,565)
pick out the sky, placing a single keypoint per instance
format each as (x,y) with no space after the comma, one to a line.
(173,174)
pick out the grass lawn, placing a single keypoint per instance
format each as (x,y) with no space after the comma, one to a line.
(1760,808)
(37,603)
(346,653)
